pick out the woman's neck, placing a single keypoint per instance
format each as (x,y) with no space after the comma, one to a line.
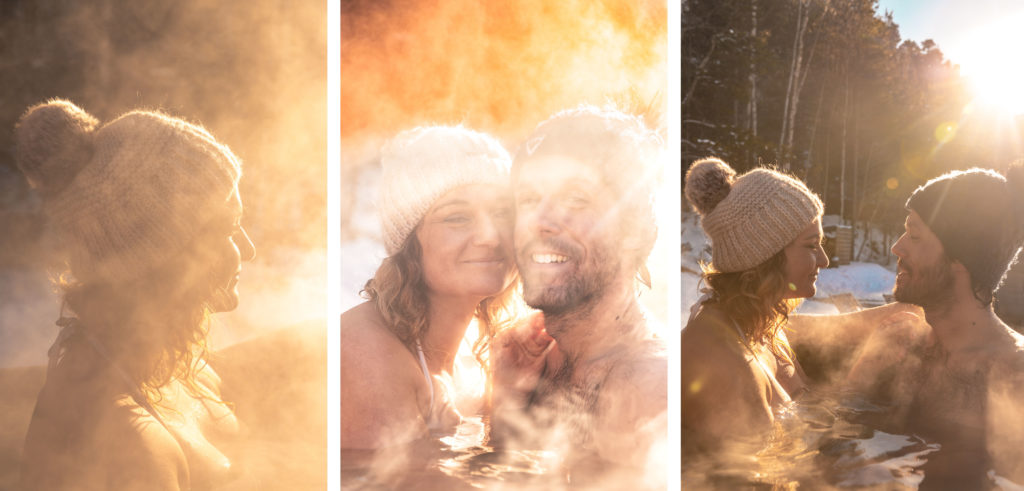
(447,320)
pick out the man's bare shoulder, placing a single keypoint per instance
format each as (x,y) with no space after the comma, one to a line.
(1006,360)
(632,407)
(645,374)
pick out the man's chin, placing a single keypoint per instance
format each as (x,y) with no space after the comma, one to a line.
(550,300)
(905,296)
(900,295)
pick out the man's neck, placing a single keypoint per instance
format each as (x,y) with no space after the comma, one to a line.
(964,324)
(448,319)
(597,329)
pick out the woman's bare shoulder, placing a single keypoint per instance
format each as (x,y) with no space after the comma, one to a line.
(102,442)
(383,389)
(710,336)
(140,449)
(367,341)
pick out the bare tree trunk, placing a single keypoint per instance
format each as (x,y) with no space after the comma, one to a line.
(793,67)
(799,86)
(855,161)
(752,108)
(828,151)
(700,68)
(814,128)
(842,154)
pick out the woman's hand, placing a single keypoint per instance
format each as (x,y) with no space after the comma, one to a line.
(519,357)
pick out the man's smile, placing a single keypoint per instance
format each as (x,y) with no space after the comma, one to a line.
(549,258)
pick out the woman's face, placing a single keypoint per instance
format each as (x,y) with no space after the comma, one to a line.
(222,247)
(466,239)
(804,256)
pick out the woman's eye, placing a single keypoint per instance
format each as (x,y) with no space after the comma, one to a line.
(577,200)
(457,218)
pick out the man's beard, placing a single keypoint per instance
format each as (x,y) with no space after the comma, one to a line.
(574,290)
(927,286)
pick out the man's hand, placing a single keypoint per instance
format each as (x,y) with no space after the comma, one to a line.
(519,355)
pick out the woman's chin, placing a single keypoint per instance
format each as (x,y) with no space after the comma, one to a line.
(224,301)
(804,292)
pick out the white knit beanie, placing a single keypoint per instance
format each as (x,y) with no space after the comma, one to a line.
(421,164)
(126,196)
(748,218)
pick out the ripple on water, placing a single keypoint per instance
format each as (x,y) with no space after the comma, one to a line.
(451,462)
(823,441)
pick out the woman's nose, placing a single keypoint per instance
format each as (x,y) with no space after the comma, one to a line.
(487,232)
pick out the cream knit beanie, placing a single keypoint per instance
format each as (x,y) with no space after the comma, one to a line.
(748,218)
(126,196)
(421,164)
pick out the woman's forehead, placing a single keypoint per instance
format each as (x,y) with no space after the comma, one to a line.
(473,194)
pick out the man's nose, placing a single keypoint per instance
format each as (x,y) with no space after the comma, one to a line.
(546,218)
(897,247)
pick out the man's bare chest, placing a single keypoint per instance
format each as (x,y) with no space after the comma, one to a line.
(950,399)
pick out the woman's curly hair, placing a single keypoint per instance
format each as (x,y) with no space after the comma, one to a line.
(755,300)
(154,328)
(399,291)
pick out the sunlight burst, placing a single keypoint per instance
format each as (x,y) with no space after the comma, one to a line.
(992,67)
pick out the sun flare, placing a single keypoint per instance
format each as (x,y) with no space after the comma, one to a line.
(992,67)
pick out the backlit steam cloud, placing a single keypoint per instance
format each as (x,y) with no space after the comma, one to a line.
(499,67)
(255,77)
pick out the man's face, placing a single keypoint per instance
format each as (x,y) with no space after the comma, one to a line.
(925,275)
(566,235)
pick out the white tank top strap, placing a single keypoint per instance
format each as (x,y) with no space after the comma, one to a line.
(768,373)
(426,376)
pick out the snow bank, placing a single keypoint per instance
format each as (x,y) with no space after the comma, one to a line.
(867,282)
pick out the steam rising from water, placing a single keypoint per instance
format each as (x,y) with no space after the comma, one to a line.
(255,77)
(499,67)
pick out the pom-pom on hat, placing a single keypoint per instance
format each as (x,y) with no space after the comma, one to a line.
(749,218)
(125,196)
(421,164)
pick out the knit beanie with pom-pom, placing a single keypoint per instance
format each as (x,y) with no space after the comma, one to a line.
(749,218)
(422,164)
(126,196)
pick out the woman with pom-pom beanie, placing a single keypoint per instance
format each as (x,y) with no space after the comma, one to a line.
(737,366)
(148,210)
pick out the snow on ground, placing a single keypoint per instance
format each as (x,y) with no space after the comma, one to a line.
(695,245)
(867,282)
